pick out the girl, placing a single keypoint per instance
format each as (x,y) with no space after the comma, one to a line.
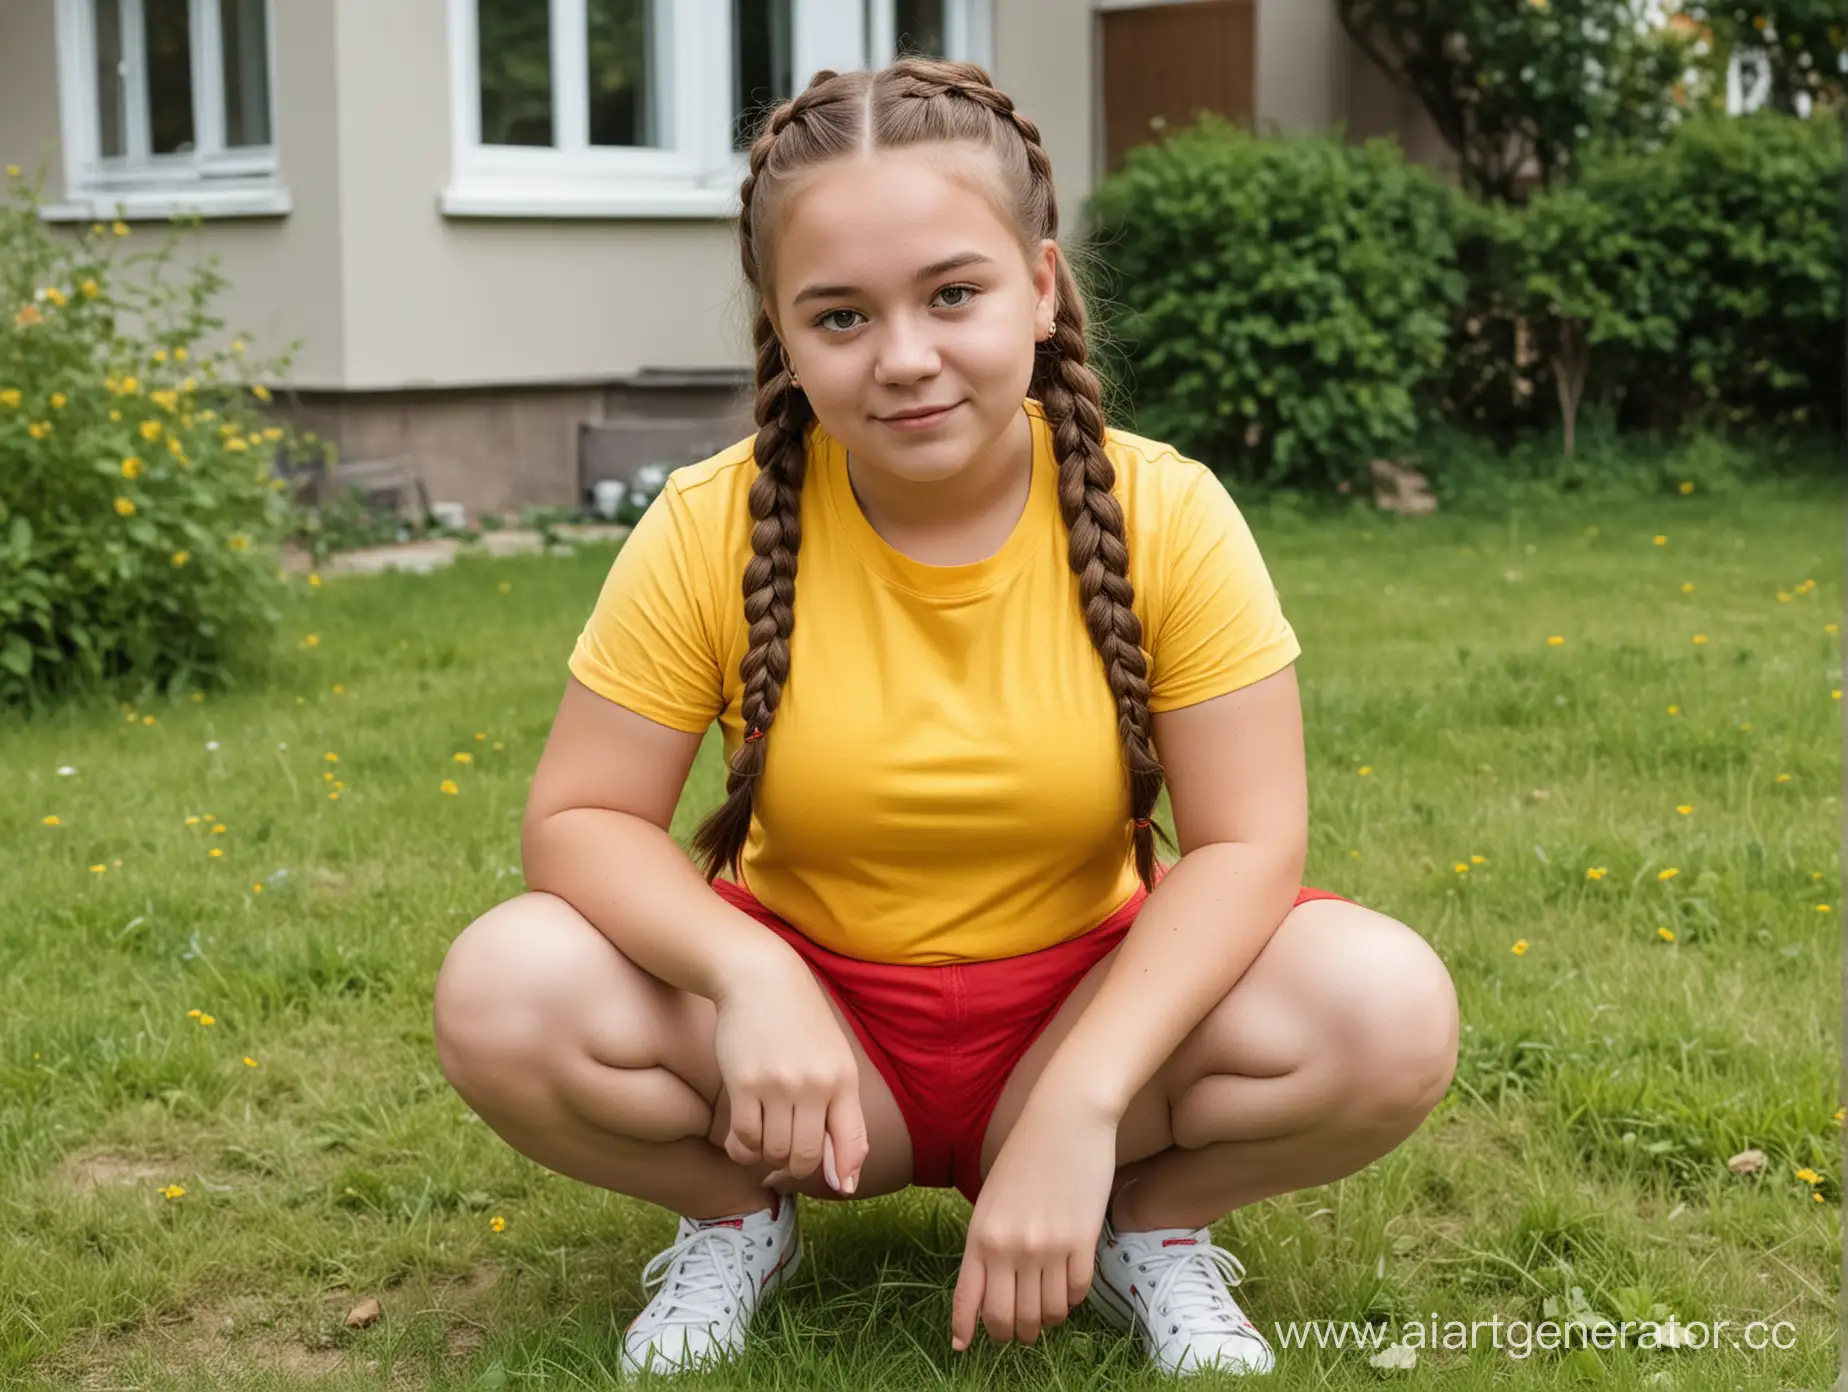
(946,953)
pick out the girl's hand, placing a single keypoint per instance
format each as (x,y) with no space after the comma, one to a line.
(790,1074)
(1033,1236)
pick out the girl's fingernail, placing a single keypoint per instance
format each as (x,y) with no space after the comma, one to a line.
(853,1183)
(827,1166)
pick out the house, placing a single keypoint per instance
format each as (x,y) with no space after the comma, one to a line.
(499,228)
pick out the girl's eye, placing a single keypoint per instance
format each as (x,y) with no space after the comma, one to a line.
(967,292)
(831,320)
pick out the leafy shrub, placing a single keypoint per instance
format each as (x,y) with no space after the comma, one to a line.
(1283,303)
(138,517)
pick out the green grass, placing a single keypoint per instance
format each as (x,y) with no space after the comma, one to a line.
(1605,1077)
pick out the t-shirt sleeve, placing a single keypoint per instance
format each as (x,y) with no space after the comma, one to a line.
(649,644)
(1222,626)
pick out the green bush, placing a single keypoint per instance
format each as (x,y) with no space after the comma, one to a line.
(138,515)
(1283,304)
(1698,283)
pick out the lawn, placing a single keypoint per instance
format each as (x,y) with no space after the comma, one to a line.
(220,972)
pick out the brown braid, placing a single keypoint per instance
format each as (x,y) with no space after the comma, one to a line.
(912,102)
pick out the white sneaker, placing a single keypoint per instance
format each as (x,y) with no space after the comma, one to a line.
(1171,1284)
(711,1282)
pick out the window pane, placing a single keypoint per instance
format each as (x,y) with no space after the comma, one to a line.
(762,40)
(917,27)
(111,116)
(515,54)
(170,94)
(246,53)
(622,76)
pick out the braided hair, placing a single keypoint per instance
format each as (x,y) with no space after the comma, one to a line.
(912,102)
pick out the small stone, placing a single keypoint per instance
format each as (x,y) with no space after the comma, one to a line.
(1747,1162)
(364,1314)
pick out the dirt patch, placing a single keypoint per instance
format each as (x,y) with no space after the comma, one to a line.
(85,1174)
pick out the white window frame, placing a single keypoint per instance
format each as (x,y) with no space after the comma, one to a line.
(211,179)
(695,173)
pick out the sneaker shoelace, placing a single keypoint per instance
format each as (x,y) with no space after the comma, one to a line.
(704,1273)
(1193,1289)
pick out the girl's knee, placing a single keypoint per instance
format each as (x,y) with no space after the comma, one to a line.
(505,985)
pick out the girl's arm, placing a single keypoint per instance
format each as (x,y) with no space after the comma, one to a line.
(1239,790)
(596,835)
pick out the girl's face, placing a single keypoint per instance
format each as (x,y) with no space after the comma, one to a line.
(908,311)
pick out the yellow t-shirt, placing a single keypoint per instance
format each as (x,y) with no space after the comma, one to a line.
(943,781)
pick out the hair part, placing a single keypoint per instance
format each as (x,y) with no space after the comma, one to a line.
(916,102)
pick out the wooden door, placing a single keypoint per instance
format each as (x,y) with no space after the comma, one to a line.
(1170,62)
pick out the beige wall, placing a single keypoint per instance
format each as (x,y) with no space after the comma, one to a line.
(458,301)
(1301,71)
(1046,59)
(284,273)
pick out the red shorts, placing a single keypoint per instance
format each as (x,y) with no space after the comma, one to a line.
(947,1038)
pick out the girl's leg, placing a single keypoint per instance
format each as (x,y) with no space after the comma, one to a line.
(584,1062)
(1324,1056)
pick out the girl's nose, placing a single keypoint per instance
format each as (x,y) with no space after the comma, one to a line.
(906,355)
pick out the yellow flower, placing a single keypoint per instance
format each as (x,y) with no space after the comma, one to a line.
(239,542)
(273,434)
(1836,694)
(150,429)
(10,398)
(339,689)
(1666,934)
(120,229)
(1556,641)
(192,821)
(167,400)
(179,355)
(1667,874)
(1461,868)
(313,640)
(1829,628)
(1364,770)
(1520,948)
(499,744)
(38,430)
(1809,1176)
(57,296)
(219,830)
(12,171)
(1745,725)
(1687,487)
(328,777)
(214,853)
(505,587)
(125,507)
(52,821)
(249,1062)
(465,758)
(1822,908)
(194,1014)
(1783,597)
(59,401)
(1841,1115)
(1783,778)
(1661,540)
(481,734)
(1597,872)
(1700,640)
(90,289)
(1686,809)
(237,345)
(1688,588)
(28,316)
(497,1223)
(173,1191)
(1674,710)
(314,580)
(208,1020)
(1814,1195)
(261,392)
(97,229)
(334,796)
(130,385)
(236,446)
(99,869)
(115,417)
(180,558)
(449,788)
(131,467)
(256,889)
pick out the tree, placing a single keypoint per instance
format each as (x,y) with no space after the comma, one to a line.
(1517,87)
(1798,47)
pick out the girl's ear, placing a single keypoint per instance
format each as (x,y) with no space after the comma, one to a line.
(1045,289)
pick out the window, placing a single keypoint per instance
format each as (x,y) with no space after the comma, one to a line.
(614,108)
(166,107)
